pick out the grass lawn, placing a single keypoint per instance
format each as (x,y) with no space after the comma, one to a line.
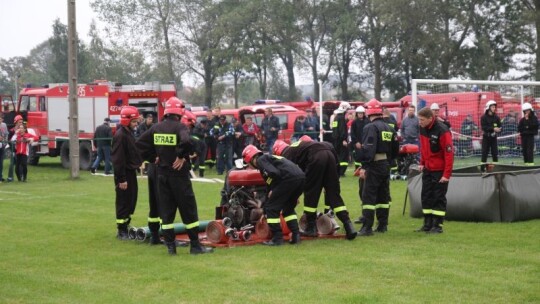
(59,246)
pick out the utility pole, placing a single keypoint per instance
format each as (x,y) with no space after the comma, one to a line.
(73,106)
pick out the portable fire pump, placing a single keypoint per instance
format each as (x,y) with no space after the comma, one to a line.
(240,213)
(240,210)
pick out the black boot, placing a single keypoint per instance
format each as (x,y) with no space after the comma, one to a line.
(122,233)
(349,230)
(277,235)
(437,225)
(367,227)
(311,225)
(171,247)
(154,233)
(428,224)
(343,216)
(295,232)
(382,218)
(196,246)
(201,173)
(295,239)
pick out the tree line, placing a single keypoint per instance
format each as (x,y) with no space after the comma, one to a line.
(259,44)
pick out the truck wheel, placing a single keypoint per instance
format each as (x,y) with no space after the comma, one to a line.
(64,155)
(85,155)
(33,158)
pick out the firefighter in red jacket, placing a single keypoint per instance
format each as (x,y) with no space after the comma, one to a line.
(126,160)
(436,161)
(318,160)
(286,183)
(169,140)
(379,146)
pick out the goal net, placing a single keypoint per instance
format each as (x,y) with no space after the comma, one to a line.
(462,103)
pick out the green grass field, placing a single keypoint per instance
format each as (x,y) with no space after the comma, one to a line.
(59,246)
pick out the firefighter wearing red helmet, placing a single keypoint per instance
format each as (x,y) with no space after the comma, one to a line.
(286,183)
(126,160)
(436,161)
(379,145)
(170,142)
(199,146)
(318,160)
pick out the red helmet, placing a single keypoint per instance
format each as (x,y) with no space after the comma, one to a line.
(174,106)
(279,147)
(249,152)
(188,118)
(17,118)
(127,114)
(305,138)
(373,107)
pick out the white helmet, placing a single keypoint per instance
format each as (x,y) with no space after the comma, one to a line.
(344,106)
(360,109)
(434,106)
(526,106)
(490,103)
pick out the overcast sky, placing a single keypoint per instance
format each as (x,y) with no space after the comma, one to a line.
(26,23)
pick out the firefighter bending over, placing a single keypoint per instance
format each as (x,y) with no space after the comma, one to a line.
(286,183)
(318,160)
(379,145)
(169,141)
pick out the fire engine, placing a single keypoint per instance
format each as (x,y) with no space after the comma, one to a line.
(46,112)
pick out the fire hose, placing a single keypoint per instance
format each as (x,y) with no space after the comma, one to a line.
(143,233)
(220,231)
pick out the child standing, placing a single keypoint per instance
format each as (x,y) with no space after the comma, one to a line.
(22,140)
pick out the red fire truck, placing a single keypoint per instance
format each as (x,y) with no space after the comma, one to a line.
(46,111)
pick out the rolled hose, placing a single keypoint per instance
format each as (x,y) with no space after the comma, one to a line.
(132,233)
(143,233)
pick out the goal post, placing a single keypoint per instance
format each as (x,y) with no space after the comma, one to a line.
(462,103)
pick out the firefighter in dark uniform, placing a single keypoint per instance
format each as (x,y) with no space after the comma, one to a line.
(170,142)
(357,129)
(153,201)
(318,160)
(340,134)
(491,126)
(528,129)
(126,160)
(199,147)
(285,183)
(436,161)
(209,140)
(379,145)
(199,133)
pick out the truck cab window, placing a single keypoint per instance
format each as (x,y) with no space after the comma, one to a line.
(25,102)
(33,104)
